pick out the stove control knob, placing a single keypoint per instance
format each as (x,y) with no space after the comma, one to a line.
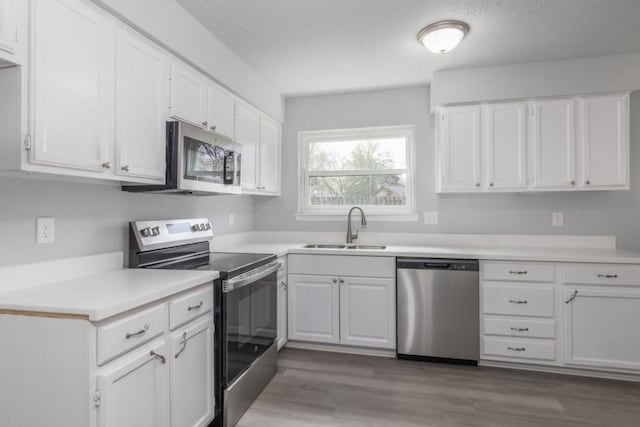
(155,231)
(146,232)
(203,227)
(207,226)
(196,227)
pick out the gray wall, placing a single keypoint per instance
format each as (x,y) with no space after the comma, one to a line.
(93,218)
(609,213)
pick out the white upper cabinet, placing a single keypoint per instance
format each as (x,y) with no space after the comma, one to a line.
(221,113)
(533,146)
(553,144)
(505,146)
(269,164)
(8,26)
(189,93)
(248,135)
(605,141)
(460,149)
(141,107)
(72,85)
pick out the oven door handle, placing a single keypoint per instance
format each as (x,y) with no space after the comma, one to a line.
(249,277)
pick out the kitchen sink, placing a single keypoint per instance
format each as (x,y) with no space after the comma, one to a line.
(362,247)
(319,246)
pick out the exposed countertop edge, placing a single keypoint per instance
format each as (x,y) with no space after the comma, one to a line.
(567,255)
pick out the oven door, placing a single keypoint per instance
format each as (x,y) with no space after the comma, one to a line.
(250,318)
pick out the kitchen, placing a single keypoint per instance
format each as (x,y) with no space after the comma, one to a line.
(556,197)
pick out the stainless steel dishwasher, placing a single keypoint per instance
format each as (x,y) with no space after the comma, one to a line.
(438,310)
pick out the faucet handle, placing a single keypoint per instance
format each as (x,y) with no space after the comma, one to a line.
(354,236)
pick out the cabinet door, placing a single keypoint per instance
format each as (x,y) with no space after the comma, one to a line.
(368,312)
(142,73)
(221,111)
(282,305)
(601,327)
(248,133)
(8,26)
(460,149)
(188,95)
(553,144)
(605,141)
(135,391)
(505,146)
(269,157)
(72,85)
(191,356)
(314,308)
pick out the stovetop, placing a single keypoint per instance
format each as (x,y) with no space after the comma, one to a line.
(228,264)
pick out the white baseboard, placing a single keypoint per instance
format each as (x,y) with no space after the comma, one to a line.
(562,370)
(334,348)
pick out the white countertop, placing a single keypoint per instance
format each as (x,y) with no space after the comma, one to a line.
(553,254)
(104,295)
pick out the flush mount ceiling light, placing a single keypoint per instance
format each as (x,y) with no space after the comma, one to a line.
(443,36)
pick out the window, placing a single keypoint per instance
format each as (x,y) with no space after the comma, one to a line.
(367,167)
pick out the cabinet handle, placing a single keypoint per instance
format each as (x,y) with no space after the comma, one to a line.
(491,184)
(572,297)
(284,285)
(518,272)
(514,301)
(212,127)
(516,349)
(513,328)
(205,123)
(195,307)
(126,168)
(142,331)
(587,182)
(107,165)
(341,280)
(184,345)
(607,276)
(477,184)
(335,280)
(573,183)
(158,356)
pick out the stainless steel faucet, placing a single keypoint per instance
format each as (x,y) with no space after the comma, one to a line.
(363,220)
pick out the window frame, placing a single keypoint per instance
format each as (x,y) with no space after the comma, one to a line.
(307,211)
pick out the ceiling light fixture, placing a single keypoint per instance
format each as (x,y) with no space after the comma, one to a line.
(443,36)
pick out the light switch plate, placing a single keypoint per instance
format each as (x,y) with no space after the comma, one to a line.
(431,218)
(232,219)
(557,219)
(45,230)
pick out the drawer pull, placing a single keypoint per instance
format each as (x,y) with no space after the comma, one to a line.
(516,349)
(572,297)
(195,307)
(184,346)
(518,272)
(607,276)
(142,331)
(513,328)
(158,356)
(518,301)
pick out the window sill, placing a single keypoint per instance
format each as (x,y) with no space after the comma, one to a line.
(312,217)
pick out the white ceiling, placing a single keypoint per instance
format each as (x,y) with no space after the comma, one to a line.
(325,46)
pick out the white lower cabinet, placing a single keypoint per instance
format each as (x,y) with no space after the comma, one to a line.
(134,392)
(367,312)
(192,375)
(314,308)
(602,327)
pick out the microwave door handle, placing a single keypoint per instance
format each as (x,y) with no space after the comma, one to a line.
(250,277)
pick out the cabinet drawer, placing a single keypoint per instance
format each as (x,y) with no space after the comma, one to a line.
(602,274)
(519,300)
(124,334)
(518,272)
(343,265)
(521,349)
(189,306)
(515,327)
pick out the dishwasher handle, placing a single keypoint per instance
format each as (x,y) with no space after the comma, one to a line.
(437,264)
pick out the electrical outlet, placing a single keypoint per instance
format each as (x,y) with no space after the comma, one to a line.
(557,219)
(431,218)
(45,230)
(232,219)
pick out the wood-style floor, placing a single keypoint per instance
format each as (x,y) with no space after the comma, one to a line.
(329,389)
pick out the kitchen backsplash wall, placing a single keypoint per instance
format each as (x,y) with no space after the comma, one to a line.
(93,218)
(604,213)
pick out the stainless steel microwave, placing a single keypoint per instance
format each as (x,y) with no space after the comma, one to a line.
(198,163)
